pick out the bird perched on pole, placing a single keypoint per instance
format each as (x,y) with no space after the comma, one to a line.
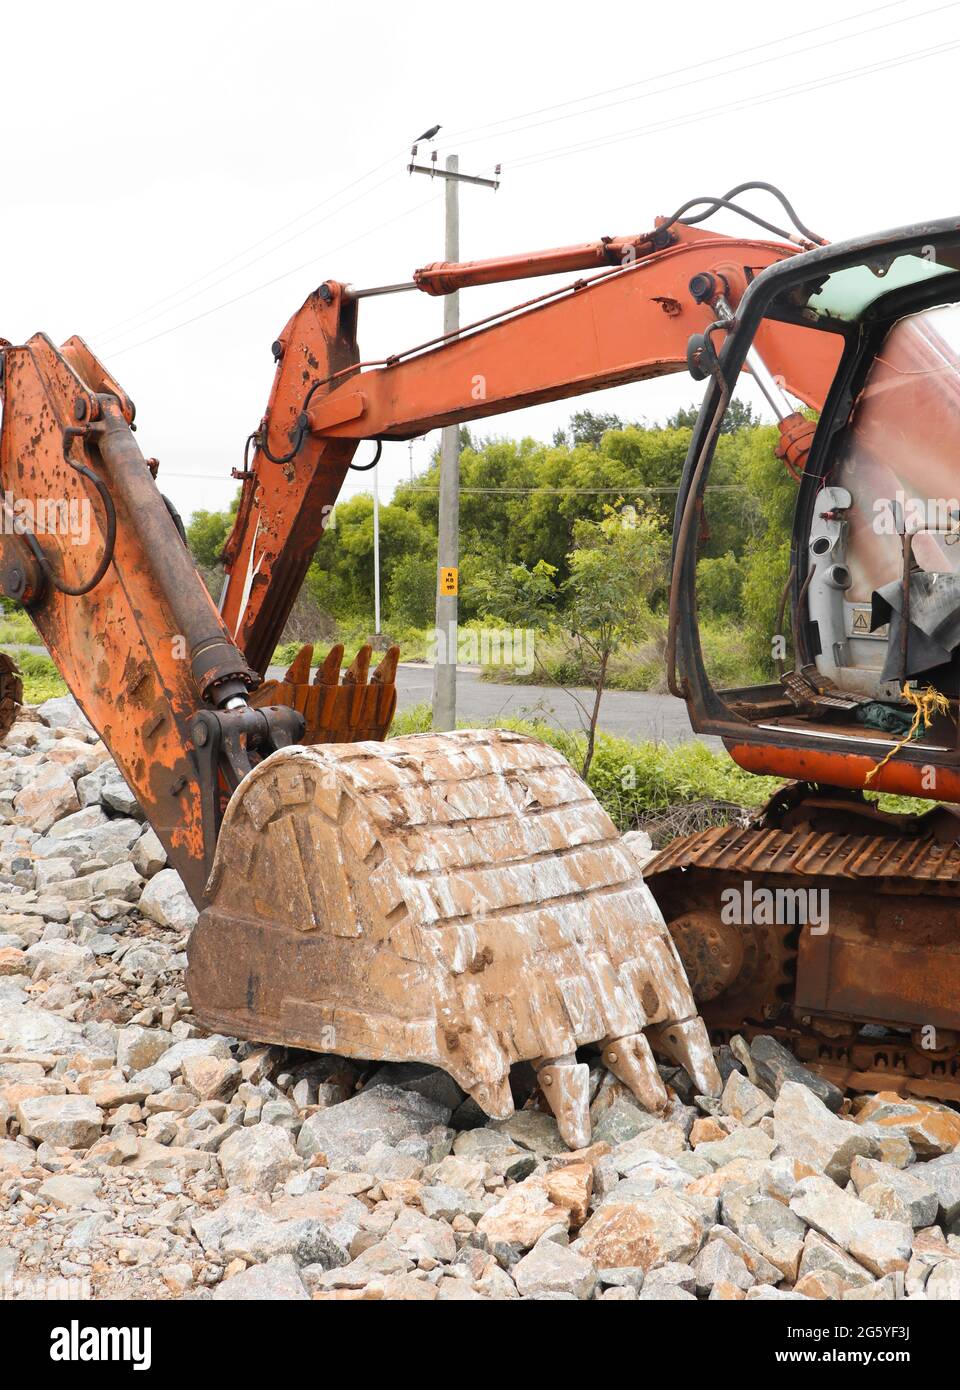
(428,134)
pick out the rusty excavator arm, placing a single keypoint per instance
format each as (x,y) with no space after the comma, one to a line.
(458,899)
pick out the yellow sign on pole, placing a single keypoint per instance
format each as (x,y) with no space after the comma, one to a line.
(449,581)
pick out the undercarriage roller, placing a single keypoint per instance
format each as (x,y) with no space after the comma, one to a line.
(457,899)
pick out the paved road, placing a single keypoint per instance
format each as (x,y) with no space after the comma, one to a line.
(630,713)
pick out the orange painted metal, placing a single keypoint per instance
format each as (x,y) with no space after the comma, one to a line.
(628,325)
(119,646)
(335,711)
(615,329)
(444,277)
(840,768)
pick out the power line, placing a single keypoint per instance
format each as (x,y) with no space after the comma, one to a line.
(545,489)
(675,72)
(741,104)
(116,328)
(245,294)
(252,247)
(205,289)
(706,77)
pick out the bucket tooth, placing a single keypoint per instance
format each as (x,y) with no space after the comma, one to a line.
(688,1044)
(386,672)
(495,1098)
(631,1061)
(298,672)
(329,672)
(359,667)
(565,1083)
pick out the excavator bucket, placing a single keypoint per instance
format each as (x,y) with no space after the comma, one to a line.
(336,712)
(457,899)
(11,694)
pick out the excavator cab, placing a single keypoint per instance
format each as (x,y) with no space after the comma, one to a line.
(872,594)
(865,984)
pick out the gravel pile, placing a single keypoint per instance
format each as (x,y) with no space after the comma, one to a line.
(142,1158)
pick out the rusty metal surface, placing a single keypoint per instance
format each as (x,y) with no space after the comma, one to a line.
(889,957)
(459,899)
(117,644)
(893,861)
(349,712)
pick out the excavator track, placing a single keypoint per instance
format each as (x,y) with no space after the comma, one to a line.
(843,946)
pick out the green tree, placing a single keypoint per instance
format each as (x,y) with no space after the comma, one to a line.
(589,427)
(341,573)
(616,564)
(739,416)
(412,591)
(207,533)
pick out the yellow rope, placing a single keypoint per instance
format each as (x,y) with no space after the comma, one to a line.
(926,703)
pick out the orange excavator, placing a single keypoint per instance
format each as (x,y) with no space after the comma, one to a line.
(462,899)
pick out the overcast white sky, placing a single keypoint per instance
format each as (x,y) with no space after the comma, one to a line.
(161,161)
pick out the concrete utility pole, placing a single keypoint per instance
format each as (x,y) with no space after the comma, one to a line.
(448,529)
(448,516)
(376,549)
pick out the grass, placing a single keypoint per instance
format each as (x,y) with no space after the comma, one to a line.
(41,679)
(16,629)
(639,665)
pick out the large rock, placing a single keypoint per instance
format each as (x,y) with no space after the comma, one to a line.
(744,1101)
(149,855)
(766,1225)
(70,1192)
(804,1128)
(717,1263)
(277,1280)
(139,1047)
(551,1268)
(521,1216)
(883,1247)
(773,1066)
(943,1175)
(80,822)
(897,1194)
(212,1078)
(26,1029)
(652,1231)
(944,1282)
(63,712)
(246,1227)
(106,786)
(70,1122)
(386,1114)
(931,1128)
(258,1159)
(430,1082)
(15,1157)
(172,1059)
(828,1209)
(118,881)
(59,956)
(48,795)
(821,1255)
(165,901)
